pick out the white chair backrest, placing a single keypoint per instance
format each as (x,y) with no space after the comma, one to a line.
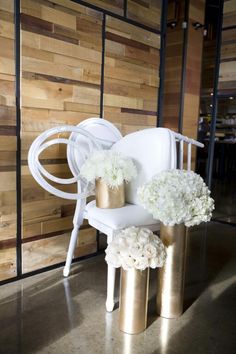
(153,150)
(102,130)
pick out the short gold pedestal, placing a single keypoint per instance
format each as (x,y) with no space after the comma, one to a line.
(107,197)
(170,292)
(133,300)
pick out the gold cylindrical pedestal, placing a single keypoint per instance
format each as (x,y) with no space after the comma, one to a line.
(170,292)
(107,197)
(133,300)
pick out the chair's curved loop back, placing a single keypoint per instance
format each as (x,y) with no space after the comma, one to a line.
(102,130)
(84,139)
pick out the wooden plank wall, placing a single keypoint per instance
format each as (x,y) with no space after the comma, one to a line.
(7,143)
(227,75)
(61,74)
(115,6)
(61,55)
(131,76)
(147,12)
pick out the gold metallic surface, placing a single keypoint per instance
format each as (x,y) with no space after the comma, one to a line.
(133,300)
(107,197)
(170,292)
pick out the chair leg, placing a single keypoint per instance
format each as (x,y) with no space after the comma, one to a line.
(71,249)
(111,277)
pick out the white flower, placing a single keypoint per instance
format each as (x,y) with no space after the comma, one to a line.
(136,248)
(150,250)
(109,165)
(141,263)
(127,262)
(113,259)
(177,196)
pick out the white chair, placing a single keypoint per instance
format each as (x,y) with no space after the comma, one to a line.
(153,151)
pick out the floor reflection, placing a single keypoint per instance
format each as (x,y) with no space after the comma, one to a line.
(164,334)
(50,314)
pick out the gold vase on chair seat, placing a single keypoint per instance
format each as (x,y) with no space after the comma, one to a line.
(107,197)
(170,292)
(133,300)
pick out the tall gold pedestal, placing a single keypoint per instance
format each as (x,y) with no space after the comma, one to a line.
(133,300)
(170,292)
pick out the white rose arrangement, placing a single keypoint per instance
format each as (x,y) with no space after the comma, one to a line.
(177,196)
(136,248)
(111,166)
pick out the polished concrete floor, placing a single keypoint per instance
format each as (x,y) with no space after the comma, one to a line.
(49,314)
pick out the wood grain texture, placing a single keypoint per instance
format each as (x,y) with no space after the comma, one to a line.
(229,13)
(44,252)
(147,12)
(60,80)
(131,76)
(7,143)
(227,74)
(115,6)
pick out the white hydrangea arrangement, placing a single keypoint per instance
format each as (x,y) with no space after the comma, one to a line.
(136,248)
(177,196)
(111,166)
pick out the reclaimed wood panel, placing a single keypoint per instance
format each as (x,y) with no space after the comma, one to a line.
(229,15)
(60,84)
(8,145)
(131,77)
(147,12)
(38,254)
(227,74)
(115,6)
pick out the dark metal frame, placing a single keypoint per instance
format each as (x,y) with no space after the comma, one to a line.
(18,115)
(125,8)
(215,97)
(102,64)
(18,127)
(160,93)
(184,61)
(119,17)
(51,267)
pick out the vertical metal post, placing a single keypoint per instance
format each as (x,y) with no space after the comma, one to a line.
(215,98)
(102,64)
(125,8)
(18,139)
(160,97)
(184,62)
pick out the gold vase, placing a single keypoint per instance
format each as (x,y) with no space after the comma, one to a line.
(133,300)
(107,197)
(170,292)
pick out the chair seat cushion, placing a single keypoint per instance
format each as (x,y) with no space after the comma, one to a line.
(119,218)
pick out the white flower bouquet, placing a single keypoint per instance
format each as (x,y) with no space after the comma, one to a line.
(111,166)
(136,248)
(177,196)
